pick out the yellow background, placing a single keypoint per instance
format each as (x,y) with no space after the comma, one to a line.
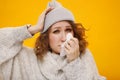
(101,17)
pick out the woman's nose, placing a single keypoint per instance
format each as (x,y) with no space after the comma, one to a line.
(63,37)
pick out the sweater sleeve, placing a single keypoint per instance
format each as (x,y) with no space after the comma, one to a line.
(72,70)
(11,40)
(76,70)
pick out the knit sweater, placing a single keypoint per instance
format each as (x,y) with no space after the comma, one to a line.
(18,62)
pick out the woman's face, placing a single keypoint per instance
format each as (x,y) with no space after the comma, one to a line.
(57,35)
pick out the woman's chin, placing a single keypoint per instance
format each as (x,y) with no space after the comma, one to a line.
(56,52)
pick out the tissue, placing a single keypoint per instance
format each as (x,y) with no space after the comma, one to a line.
(68,37)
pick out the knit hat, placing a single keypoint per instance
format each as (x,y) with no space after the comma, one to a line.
(59,13)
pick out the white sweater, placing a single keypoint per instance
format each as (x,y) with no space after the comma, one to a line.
(20,63)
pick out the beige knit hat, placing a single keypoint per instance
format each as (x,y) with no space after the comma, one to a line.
(59,13)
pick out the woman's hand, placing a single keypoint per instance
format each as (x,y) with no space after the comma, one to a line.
(72,49)
(40,24)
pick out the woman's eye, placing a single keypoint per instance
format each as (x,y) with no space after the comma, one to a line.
(68,30)
(56,31)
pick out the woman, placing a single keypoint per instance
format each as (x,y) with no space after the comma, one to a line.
(44,62)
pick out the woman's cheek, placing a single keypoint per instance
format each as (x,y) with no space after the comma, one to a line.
(54,40)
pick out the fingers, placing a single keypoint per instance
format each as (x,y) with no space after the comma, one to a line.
(67,46)
(72,43)
(72,49)
(48,10)
(72,46)
(74,40)
(42,16)
(40,22)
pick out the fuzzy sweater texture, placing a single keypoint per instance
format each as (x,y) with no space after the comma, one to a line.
(18,62)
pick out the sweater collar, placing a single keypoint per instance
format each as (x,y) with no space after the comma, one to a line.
(51,64)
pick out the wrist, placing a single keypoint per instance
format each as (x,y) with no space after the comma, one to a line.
(29,27)
(72,59)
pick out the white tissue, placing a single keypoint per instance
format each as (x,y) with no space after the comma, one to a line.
(68,37)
